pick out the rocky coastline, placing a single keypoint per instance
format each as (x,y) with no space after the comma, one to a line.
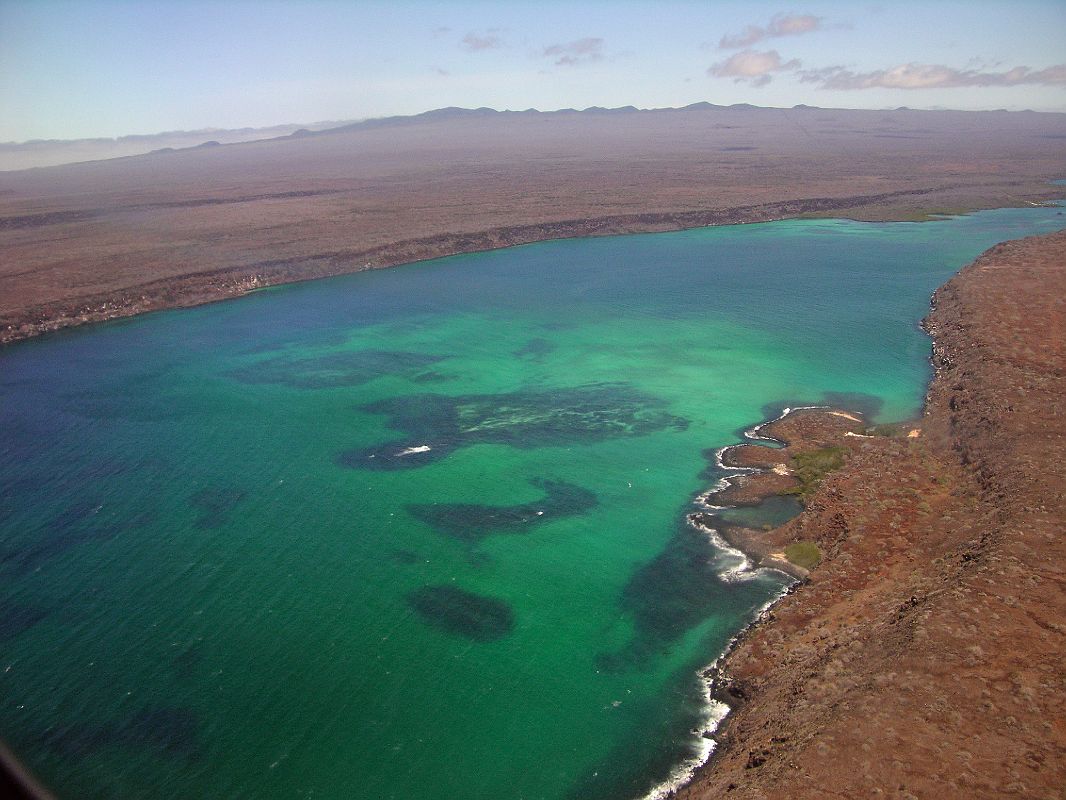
(809,442)
(923,655)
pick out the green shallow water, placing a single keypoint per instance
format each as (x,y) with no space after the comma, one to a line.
(220,578)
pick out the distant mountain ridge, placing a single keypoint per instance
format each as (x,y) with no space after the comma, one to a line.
(56,152)
(53,152)
(456,112)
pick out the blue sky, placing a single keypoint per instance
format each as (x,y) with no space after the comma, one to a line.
(94,68)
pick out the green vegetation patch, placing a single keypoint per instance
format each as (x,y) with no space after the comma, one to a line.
(889,429)
(812,466)
(803,554)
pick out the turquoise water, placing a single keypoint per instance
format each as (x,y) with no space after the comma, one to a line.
(230,566)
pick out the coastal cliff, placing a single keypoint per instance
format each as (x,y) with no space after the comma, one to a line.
(924,656)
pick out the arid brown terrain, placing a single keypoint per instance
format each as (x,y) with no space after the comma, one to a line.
(926,656)
(104,239)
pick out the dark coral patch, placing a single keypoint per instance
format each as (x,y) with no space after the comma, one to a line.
(15,618)
(352,368)
(78,523)
(472,521)
(403,556)
(170,730)
(673,593)
(214,505)
(675,590)
(535,350)
(432,376)
(463,613)
(438,424)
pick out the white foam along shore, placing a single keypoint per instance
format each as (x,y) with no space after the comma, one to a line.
(741,569)
(716,712)
(755,435)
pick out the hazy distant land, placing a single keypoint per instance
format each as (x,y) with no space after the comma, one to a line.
(110,238)
(54,152)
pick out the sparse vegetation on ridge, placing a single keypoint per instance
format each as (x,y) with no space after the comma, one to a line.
(803,554)
(811,467)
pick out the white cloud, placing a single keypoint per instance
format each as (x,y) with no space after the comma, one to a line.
(476,42)
(581,51)
(753,66)
(780,25)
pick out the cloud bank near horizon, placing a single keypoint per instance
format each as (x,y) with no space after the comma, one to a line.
(931,76)
(757,68)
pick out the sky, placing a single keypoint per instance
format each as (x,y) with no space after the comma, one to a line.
(117,67)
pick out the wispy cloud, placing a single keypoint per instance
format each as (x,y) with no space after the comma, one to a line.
(779,25)
(752,66)
(580,51)
(931,76)
(475,42)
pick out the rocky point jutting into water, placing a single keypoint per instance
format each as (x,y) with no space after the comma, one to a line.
(924,657)
(812,443)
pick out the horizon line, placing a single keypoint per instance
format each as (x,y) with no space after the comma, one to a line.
(331,124)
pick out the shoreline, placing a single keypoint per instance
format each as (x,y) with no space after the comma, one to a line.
(721,695)
(820,684)
(757,472)
(191,289)
(720,705)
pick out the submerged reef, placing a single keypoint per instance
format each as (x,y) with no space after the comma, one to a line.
(332,370)
(463,613)
(436,425)
(472,522)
